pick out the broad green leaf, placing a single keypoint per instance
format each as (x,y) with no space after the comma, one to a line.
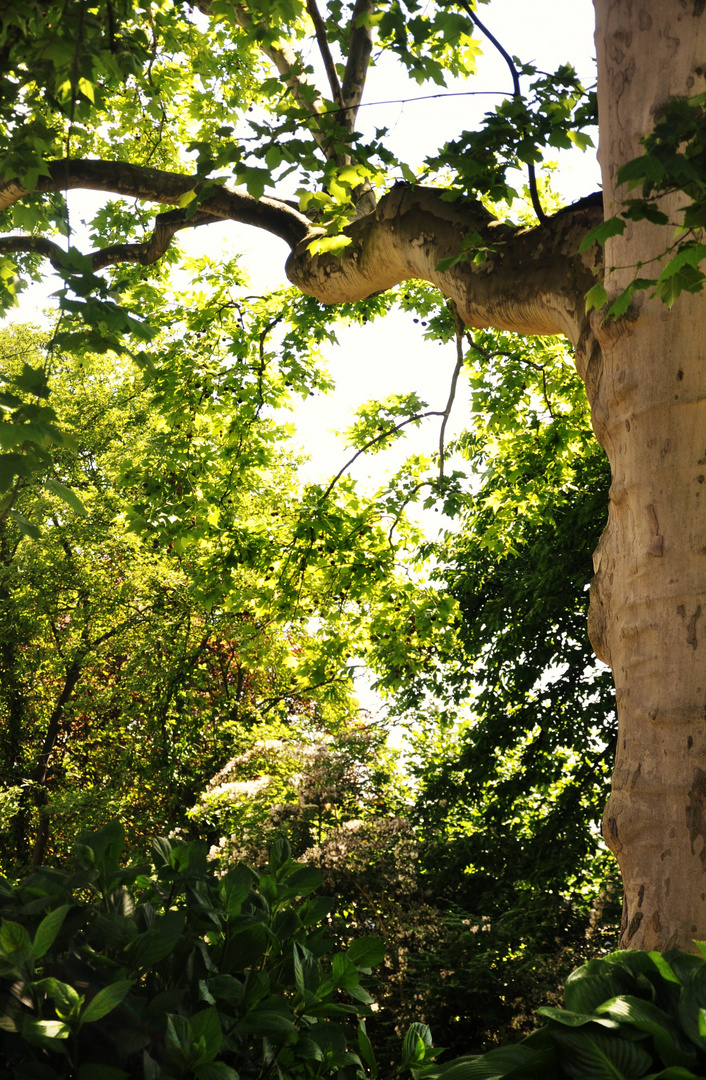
(26,527)
(330,245)
(97,1071)
(594,1055)
(573,1019)
(66,999)
(366,1050)
(266,1022)
(366,952)
(14,938)
(47,931)
(613,226)
(304,881)
(105,1001)
(206,1034)
(39,1030)
(280,854)
(647,1017)
(215,1070)
(70,497)
(596,297)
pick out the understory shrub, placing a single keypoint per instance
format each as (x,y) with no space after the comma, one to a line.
(164,970)
(629,1015)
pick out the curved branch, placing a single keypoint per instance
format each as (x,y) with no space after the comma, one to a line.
(157,185)
(373,442)
(144,252)
(532,282)
(516,93)
(459,326)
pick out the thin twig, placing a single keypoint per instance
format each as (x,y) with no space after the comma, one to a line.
(372,442)
(516,93)
(460,331)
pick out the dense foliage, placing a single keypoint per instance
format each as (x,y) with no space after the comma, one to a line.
(164,970)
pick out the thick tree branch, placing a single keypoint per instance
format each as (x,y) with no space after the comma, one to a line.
(144,252)
(533,280)
(157,185)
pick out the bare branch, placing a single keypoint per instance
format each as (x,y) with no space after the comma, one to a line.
(322,40)
(372,442)
(361,45)
(460,329)
(516,93)
(157,185)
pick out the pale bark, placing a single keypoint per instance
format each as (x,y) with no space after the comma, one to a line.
(646,379)
(532,282)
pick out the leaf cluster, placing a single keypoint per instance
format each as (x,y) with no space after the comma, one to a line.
(673,162)
(163,970)
(555,113)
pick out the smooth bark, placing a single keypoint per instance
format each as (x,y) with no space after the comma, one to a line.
(647,382)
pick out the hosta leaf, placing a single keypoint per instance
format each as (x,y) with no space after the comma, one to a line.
(594,1055)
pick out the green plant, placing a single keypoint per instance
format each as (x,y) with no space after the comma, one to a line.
(166,971)
(629,1015)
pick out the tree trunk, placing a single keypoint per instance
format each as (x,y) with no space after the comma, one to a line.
(646,379)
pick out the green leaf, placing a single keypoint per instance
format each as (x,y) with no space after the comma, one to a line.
(105,1001)
(330,245)
(647,1017)
(592,1055)
(206,1031)
(215,1070)
(47,931)
(622,303)
(39,1030)
(613,226)
(304,881)
(573,1019)
(414,1044)
(593,984)
(66,999)
(14,938)
(96,1071)
(280,854)
(596,297)
(70,497)
(366,1050)
(266,1022)
(366,952)
(27,528)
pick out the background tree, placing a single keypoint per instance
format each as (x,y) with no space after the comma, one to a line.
(160,569)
